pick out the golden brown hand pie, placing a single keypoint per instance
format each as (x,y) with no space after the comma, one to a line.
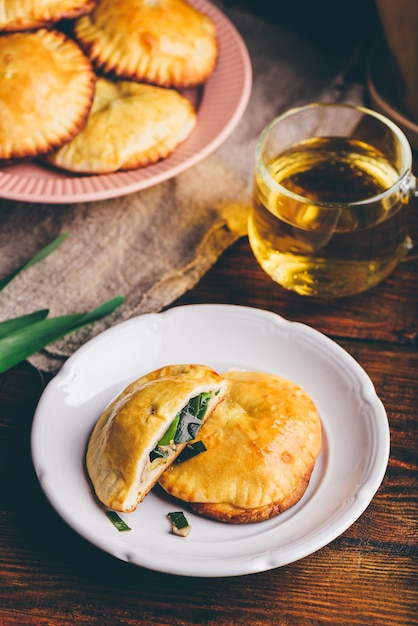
(145,428)
(130,125)
(46,90)
(17,15)
(165,42)
(262,443)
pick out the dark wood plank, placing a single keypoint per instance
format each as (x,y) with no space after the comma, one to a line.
(367,576)
(50,573)
(389,312)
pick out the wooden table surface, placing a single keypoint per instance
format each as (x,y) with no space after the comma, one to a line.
(49,575)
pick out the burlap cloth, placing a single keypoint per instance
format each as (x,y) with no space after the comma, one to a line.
(153,245)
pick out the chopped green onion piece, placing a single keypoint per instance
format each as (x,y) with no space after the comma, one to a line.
(159,453)
(186,424)
(179,524)
(170,432)
(191,450)
(117,521)
(191,418)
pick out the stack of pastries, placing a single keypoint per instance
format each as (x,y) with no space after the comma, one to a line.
(261,435)
(95,86)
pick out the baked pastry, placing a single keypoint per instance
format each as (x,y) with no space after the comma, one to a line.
(18,15)
(46,91)
(262,443)
(145,428)
(164,42)
(130,125)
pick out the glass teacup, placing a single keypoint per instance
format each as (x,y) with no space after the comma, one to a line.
(331,193)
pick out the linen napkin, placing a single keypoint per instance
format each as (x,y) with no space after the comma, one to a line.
(153,245)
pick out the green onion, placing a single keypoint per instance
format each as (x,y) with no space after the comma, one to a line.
(185,425)
(39,256)
(24,341)
(179,524)
(10,326)
(191,417)
(170,432)
(22,336)
(118,522)
(191,450)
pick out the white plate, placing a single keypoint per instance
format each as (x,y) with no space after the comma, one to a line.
(220,105)
(347,474)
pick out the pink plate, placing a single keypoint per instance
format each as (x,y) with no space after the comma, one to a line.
(220,104)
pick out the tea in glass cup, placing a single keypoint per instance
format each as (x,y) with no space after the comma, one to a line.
(331,192)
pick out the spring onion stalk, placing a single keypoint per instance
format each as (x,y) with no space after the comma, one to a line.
(18,345)
(10,326)
(117,521)
(39,256)
(22,336)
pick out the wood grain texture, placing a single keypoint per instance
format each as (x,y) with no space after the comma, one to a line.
(50,576)
(387,313)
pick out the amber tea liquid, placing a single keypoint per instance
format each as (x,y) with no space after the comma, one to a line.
(329,247)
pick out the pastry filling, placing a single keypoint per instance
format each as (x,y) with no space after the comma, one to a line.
(184,427)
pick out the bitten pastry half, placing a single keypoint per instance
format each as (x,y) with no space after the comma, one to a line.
(262,443)
(46,92)
(146,427)
(130,125)
(164,42)
(18,15)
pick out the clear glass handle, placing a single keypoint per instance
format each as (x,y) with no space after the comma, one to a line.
(409,186)
(410,190)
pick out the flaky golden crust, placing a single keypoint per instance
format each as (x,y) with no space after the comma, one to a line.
(118,453)
(224,512)
(164,42)
(46,91)
(18,15)
(130,125)
(262,444)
